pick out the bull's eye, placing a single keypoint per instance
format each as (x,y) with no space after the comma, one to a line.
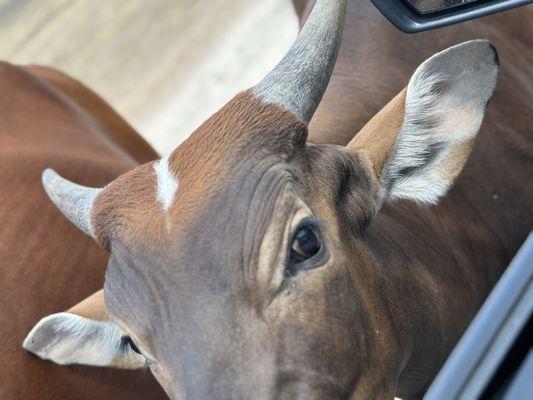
(305,245)
(126,340)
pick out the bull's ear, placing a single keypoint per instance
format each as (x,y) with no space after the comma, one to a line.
(83,335)
(417,145)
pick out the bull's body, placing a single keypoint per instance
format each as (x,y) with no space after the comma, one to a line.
(440,261)
(47,119)
(462,245)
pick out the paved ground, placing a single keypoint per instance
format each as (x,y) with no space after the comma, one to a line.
(164,64)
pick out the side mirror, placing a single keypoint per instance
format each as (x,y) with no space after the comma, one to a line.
(413,16)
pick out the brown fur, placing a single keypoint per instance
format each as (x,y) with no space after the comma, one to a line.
(375,63)
(486,215)
(116,128)
(92,307)
(376,314)
(202,164)
(51,120)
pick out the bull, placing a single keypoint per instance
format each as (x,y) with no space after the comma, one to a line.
(256,259)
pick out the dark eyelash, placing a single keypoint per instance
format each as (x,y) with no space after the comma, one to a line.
(126,341)
(313,223)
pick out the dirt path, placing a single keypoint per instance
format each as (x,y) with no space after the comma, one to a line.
(164,64)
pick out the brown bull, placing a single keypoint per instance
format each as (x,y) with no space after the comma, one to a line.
(48,119)
(250,262)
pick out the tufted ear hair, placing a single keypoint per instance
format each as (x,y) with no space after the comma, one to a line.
(83,335)
(418,144)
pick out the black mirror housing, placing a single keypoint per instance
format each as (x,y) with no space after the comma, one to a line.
(413,16)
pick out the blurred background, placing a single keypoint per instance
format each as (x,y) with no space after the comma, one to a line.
(164,65)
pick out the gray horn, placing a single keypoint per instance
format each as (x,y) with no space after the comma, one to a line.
(74,201)
(300,79)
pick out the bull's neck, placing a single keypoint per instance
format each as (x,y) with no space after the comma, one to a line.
(442,262)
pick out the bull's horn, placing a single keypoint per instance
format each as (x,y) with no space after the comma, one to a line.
(74,201)
(300,79)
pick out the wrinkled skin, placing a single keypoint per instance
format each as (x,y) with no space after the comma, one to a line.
(236,323)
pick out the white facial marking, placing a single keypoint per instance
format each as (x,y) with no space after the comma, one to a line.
(167,182)
(66,338)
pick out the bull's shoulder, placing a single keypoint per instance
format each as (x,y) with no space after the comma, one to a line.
(40,106)
(113,124)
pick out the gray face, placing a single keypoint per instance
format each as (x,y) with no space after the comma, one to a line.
(258,272)
(253,294)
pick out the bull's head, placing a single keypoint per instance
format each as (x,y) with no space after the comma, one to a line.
(238,263)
